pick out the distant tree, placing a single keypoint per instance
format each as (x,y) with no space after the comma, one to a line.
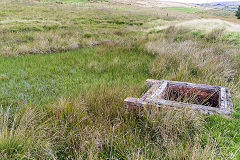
(238,13)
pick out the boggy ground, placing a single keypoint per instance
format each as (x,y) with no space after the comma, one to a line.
(65,69)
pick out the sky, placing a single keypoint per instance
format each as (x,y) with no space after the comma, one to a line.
(201,1)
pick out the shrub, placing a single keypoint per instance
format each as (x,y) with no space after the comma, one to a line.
(238,13)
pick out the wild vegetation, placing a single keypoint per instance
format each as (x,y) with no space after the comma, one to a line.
(65,70)
(238,13)
(184,9)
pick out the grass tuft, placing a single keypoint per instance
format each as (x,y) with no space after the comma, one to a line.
(66,68)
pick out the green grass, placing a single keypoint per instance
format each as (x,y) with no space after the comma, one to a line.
(77,1)
(92,83)
(183,9)
(30,29)
(41,78)
(65,71)
(171,65)
(232,37)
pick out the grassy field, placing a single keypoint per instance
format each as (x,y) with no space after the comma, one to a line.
(184,9)
(200,27)
(65,70)
(30,29)
(42,78)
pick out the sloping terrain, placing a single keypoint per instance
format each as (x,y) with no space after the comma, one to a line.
(155,3)
(223,5)
(206,25)
(66,67)
(210,24)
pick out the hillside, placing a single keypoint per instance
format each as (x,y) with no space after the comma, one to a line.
(154,3)
(67,66)
(222,5)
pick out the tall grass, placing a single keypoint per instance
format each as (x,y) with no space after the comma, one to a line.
(95,126)
(47,28)
(181,56)
(23,135)
(70,105)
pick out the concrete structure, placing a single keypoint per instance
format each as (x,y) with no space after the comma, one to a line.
(204,98)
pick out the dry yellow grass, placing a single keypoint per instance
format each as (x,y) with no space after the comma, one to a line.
(190,60)
(69,105)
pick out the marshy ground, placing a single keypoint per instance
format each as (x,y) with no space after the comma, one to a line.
(65,69)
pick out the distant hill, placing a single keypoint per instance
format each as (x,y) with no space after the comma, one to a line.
(222,5)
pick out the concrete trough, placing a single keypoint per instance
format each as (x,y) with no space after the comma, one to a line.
(203,98)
